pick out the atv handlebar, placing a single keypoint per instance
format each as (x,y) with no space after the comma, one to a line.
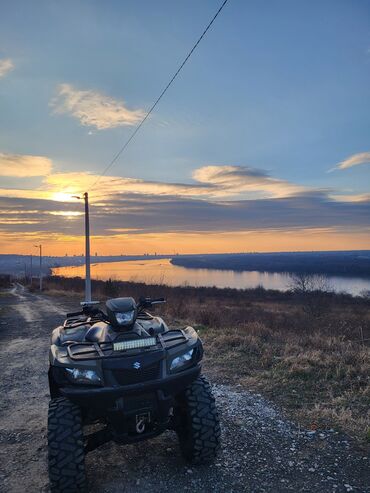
(90,311)
(149,302)
(156,301)
(86,310)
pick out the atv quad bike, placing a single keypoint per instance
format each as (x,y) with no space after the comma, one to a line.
(129,377)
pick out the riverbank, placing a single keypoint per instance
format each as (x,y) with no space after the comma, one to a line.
(308,352)
(330,263)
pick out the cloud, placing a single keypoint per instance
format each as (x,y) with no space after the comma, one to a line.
(133,214)
(359,197)
(112,185)
(21,165)
(234,180)
(221,199)
(6,65)
(211,182)
(354,160)
(94,109)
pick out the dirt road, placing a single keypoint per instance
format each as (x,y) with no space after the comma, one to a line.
(262,450)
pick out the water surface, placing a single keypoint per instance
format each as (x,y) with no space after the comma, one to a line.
(161,271)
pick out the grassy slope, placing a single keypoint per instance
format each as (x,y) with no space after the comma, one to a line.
(302,351)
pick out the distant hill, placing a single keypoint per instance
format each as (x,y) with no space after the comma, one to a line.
(349,263)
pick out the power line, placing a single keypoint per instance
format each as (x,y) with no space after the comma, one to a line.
(137,128)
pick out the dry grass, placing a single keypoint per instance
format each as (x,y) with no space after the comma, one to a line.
(302,351)
(322,380)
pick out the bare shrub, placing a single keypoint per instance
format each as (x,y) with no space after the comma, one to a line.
(302,282)
(315,291)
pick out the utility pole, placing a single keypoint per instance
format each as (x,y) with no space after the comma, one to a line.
(87,250)
(31,272)
(40,248)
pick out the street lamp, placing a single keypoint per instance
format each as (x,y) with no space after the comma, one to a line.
(40,247)
(87,250)
(31,270)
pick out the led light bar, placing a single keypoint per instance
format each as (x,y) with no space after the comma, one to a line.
(134,343)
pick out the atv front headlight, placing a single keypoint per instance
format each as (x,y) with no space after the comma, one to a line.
(125,318)
(181,360)
(78,375)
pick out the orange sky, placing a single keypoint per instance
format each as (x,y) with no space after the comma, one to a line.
(218,212)
(169,243)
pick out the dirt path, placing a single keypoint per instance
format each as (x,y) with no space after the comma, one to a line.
(262,451)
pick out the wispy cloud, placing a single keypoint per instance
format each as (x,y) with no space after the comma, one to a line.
(94,109)
(356,197)
(211,183)
(138,214)
(220,198)
(110,186)
(235,180)
(354,160)
(21,165)
(6,65)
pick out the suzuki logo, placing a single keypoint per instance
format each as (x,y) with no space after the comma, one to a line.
(137,365)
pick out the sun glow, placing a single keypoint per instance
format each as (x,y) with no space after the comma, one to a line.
(62,197)
(67,214)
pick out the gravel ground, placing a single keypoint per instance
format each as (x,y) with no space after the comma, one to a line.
(262,451)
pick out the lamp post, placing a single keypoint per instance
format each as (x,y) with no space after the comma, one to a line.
(40,248)
(31,272)
(87,249)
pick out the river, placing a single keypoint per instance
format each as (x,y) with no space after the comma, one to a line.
(161,271)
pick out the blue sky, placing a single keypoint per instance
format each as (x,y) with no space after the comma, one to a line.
(279,87)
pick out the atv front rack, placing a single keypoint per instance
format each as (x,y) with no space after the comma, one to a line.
(98,350)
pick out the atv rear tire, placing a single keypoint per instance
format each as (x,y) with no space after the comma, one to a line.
(199,427)
(65,447)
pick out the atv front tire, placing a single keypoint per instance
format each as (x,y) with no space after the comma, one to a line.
(65,447)
(199,428)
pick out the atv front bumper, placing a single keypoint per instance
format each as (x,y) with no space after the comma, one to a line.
(123,406)
(106,397)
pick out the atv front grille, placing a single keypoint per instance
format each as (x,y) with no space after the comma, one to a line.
(137,402)
(131,376)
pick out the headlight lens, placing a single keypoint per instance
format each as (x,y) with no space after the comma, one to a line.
(78,375)
(125,318)
(181,360)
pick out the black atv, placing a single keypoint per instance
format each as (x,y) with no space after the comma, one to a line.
(128,377)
